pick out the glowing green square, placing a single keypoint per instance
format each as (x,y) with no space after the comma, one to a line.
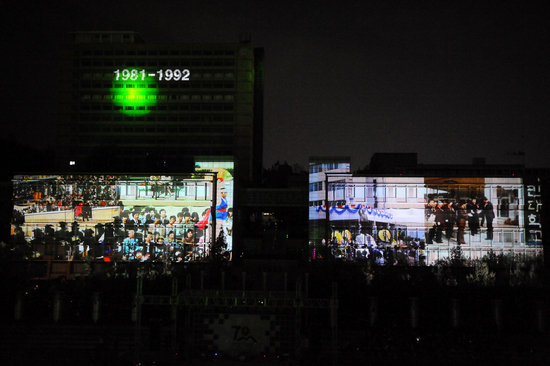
(135,96)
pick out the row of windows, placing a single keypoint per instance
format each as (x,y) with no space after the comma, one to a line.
(160,97)
(96,74)
(499,236)
(316,186)
(155,63)
(180,107)
(173,85)
(484,172)
(330,203)
(119,151)
(361,192)
(194,129)
(156,52)
(156,117)
(188,141)
(318,168)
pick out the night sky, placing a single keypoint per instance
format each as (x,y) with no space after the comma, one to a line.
(450,82)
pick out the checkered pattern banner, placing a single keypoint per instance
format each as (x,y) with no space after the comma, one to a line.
(238,334)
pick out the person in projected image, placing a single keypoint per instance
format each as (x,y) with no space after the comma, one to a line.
(429,213)
(179,226)
(136,221)
(439,221)
(171,239)
(157,227)
(461,218)
(149,245)
(450,219)
(171,225)
(161,252)
(179,218)
(163,218)
(487,215)
(189,244)
(473,216)
(129,246)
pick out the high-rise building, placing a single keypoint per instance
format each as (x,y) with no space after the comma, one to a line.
(129,105)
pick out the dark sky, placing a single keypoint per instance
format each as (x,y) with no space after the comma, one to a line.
(450,82)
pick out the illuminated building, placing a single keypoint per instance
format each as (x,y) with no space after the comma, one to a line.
(128,105)
(427,209)
(318,167)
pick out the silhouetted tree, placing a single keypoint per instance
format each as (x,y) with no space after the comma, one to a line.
(218,247)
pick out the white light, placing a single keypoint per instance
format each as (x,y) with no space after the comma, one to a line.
(72,162)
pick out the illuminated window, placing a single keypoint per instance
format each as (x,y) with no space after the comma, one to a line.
(359,194)
(401,194)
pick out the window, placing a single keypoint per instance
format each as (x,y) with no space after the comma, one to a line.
(507,237)
(359,194)
(315,186)
(401,194)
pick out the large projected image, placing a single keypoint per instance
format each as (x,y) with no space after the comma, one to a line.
(418,220)
(122,217)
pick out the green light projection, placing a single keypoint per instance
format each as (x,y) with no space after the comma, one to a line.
(134,97)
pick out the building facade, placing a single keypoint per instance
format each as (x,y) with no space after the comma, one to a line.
(319,166)
(427,212)
(129,105)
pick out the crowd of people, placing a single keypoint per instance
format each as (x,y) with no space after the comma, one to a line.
(134,235)
(155,236)
(365,248)
(447,220)
(78,193)
(444,215)
(137,233)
